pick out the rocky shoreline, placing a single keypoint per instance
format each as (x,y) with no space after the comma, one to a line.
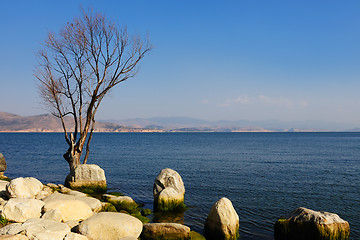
(31,210)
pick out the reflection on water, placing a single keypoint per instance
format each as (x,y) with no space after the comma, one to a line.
(166,217)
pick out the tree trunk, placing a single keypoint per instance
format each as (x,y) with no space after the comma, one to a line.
(73,154)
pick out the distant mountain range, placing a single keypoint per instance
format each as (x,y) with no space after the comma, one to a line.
(192,124)
(48,123)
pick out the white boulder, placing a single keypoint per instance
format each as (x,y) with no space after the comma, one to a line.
(70,207)
(21,209)
(38,229)
(111,226)
(86,175)
(93,203)
(23,187)
(222,221)
(168,190)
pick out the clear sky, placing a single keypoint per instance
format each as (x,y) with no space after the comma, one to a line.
(244,59)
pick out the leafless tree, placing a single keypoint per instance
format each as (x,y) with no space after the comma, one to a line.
(78,67)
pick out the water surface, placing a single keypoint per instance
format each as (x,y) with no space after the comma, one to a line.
(265,175)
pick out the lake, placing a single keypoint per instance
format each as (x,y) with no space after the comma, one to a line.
(265,175)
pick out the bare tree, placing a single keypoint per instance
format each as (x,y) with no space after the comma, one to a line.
(78,67)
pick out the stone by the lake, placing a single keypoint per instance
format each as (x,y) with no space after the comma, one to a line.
(69,191)
(109,197)
(222,221)
(75,236)
(88,175)
(93,203)
(2,164)
(70,207)
(20,187)
(111,226)
(54,214)
(168,231)
(46,191)
(11,229)
(168,190)
(22,209)
(306,224)
(14,237)
(38,229)
(121,202)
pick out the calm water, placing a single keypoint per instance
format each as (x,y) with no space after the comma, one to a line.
(265,175)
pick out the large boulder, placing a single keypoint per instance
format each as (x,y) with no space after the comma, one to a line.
(39,229)
(23,187)
(110,226)
(169,191)
(22,209)
(2,165)
(70,207)
(93,203)
(222,221)
(87,175)
(306,224)
(168,231)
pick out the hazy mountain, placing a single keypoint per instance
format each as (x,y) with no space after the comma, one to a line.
(181,123)
(48,123)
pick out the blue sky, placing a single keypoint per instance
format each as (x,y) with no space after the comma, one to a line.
(255,60)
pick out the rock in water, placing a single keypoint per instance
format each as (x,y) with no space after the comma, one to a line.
(24,187)
(168,231)
(89,176)
(2,165)
(169,191)
(222,222)
(306,224)
(111,226)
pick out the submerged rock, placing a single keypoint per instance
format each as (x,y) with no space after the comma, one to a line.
(222,221)
(168,190)
(306,224)
(168,231)
(110,226)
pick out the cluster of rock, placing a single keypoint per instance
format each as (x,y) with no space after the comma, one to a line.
(38,212)
(169,191)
